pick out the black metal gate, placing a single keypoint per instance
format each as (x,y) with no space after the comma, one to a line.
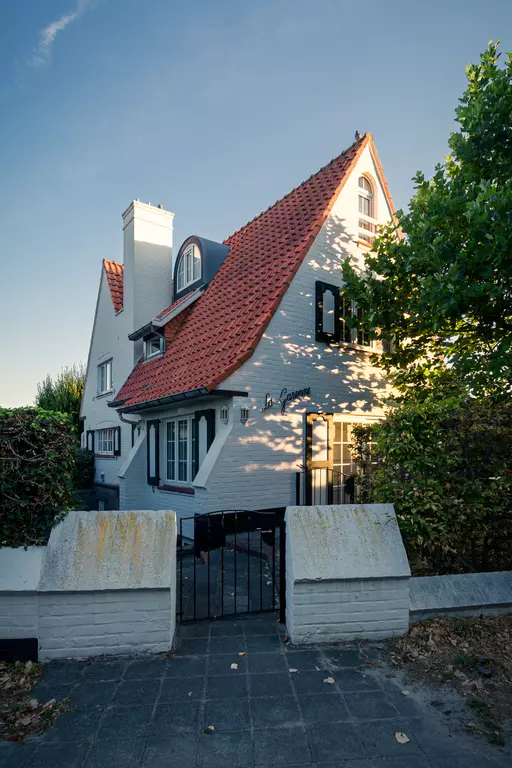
(231,562)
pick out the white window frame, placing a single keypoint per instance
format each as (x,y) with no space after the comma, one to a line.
(367,222)
(189,267)
(190,420)
(149,342)
(354,331)
(107,366)
(104,441)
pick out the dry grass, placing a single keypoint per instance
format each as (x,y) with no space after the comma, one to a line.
(20,713)
(474,655)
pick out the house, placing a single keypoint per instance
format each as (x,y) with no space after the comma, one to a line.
(215,378)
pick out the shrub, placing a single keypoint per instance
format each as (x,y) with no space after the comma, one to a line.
(37,458)
(84,469)
(446,466)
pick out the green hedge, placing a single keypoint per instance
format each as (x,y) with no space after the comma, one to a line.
(37,464)
(446,465)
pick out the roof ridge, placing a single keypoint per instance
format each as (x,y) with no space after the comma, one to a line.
(292,191)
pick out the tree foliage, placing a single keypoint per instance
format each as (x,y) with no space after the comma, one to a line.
(64,394)
(442,293)
(37,461)
(445,465)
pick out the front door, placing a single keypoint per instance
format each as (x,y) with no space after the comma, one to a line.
(318,481)
(330,468)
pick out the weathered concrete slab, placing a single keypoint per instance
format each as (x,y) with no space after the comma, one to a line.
(468,594)
(347,573)
(96,551)
(347,541)
(20,569)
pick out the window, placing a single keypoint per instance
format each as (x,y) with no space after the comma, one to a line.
(342,459)
(105,377)
(154,346)
(105,441)
(189,268)
(367,227)
(333,315)
(180,450)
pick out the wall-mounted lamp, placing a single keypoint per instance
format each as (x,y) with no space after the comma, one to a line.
(224,414)
(244,415)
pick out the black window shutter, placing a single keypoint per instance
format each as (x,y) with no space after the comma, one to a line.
(153,439)
(117,441)
(320,333)
(209,415)
(90,440)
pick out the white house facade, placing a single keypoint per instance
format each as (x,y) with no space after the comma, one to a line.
(242,393)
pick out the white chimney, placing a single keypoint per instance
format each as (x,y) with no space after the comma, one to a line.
(147,279)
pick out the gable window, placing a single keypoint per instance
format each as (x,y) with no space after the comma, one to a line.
(333,315)
(154,346)
(189,267)
(367,224)
(105,377)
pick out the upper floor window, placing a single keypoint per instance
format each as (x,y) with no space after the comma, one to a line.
(105,377)
(367,225)
(189,267)
(154,346)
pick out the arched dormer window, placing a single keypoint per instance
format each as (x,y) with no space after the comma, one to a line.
(189,267)
(367,225)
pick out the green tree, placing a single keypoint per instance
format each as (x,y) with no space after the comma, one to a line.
(64,394)
(442,292)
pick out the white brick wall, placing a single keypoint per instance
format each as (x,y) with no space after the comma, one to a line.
(343,610)
(18,615)
(95,623)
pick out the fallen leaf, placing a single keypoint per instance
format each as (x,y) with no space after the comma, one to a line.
(401,737)
(209,730)
(285,639)
(329,680)
(234,666)
(242,653)
(293,670)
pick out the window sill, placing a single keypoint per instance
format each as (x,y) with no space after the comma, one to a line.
(364,244)
(104,456)
(360,348)
(177,489)
(99,395)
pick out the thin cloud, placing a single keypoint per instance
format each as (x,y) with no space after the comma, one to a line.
(42,54)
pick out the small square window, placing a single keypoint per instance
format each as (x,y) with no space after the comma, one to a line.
(154,346)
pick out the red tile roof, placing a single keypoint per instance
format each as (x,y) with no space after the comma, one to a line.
(114,273)
(220,331)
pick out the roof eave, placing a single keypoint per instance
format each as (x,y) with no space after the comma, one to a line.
(158,402)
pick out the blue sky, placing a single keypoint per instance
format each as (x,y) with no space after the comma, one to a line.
(212,108)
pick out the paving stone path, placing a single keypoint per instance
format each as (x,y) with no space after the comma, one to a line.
(151,713)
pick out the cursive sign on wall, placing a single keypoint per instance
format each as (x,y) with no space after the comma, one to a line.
(284,398)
